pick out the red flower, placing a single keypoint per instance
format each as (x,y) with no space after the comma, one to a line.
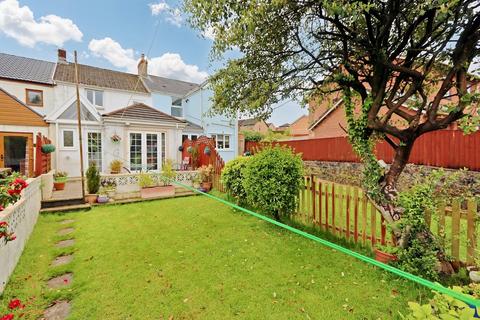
(3,223)
(7,317)
(15,303)
(1,209)
(11,237)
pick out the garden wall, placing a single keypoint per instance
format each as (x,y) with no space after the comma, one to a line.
(350,173)
(21,217)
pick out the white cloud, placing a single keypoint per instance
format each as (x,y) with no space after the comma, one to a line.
(209,33)
(172,15)
(19,23)
(169,65)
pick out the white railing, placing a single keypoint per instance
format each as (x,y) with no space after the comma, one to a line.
(127,183)
(21,218)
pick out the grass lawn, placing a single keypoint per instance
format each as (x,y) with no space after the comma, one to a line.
(194,258)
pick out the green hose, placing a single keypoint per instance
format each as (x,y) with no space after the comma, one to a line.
(432,285)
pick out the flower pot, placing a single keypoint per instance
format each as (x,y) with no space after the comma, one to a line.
(384,256)
(157,192)
(114,171)
(59,185)
(207,186)
(102,198)
(91,198)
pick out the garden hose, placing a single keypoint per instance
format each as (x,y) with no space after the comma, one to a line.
(429,284)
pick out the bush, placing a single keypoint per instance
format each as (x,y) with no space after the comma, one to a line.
(252,136)
(272,180)
(233,176)
(93,178)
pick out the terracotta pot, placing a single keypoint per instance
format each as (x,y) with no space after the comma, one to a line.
(59,185)
(384,256)
(91,198)
(102,199)
(157,192)
(207,186)
(114,171)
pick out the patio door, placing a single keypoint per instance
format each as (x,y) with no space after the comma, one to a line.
(16,152)
(147,151)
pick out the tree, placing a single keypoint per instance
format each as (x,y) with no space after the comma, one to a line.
(404,60)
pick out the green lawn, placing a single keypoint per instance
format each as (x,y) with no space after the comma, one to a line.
(194,258)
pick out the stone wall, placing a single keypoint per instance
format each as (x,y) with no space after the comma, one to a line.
(351,173)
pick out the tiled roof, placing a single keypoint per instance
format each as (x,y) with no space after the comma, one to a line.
(193,127)
(165,85)
(141,112)
(247,122)
(26,69)
(93,76)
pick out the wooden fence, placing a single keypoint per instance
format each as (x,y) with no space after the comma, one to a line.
(43,162)
(445,148)
(345,212)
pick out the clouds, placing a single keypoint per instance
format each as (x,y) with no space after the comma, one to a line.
(169,65)
(172,15)
(19,23)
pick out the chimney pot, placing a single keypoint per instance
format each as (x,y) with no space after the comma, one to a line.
(62,56)
(142,66)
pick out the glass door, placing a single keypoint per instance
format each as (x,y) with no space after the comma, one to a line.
(147,151)
(15,152)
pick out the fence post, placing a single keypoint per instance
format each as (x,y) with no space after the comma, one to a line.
(313,198)
(456,229)
(471,230)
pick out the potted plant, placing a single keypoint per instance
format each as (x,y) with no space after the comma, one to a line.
(48,148)
(110,187)
(196,181)
(59,180)
(116,166)
(93,183)
(386,254)
(150,188)
(116,138)
(102,195)
(206,176)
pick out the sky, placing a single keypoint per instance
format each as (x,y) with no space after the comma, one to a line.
(113,34)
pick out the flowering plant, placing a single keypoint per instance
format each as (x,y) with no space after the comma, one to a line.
(15,305)
(10,190)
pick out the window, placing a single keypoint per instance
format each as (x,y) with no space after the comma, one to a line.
(152,151)
(35,97)
(192,137)
(222,141)
(94,148)
(146,149)
(95,97)
(136,151)
(68,139)
(177,108)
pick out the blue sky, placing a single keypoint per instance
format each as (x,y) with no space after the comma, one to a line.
(113,34)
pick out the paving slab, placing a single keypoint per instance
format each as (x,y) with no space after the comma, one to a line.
(65,243)
(65,231)
(61,260)
(58,311)
(67,221)
(60,281)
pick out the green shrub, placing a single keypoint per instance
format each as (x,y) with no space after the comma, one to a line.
(233,176)
(273,178)
(253,136)
(145,180)
(93,178)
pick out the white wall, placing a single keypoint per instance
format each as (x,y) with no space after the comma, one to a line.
(23,217)
(17,89)
(112,99)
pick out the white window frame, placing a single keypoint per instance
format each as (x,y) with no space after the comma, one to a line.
(180,107)
(100,168)
(144,149)
(215,136)
(94,102)
(62,137)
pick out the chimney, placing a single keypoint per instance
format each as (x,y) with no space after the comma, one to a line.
(62,56)
(142,66)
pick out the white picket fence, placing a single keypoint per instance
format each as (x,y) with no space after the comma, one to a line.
(21,217)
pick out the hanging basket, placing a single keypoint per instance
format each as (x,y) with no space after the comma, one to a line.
(207,151)
(180,148)
(116,138)
(48,148)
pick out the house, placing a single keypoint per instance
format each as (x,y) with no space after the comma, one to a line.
(299,128)
(190,102)
(138,119)
(253,125)
(26,94)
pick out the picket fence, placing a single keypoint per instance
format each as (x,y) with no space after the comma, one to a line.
(347,213)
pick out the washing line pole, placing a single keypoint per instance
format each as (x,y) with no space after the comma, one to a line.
(79,122)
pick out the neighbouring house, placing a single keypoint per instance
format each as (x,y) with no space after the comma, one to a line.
(284,128)
(26,94)
(299,128)
(253,125)
(190,102)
